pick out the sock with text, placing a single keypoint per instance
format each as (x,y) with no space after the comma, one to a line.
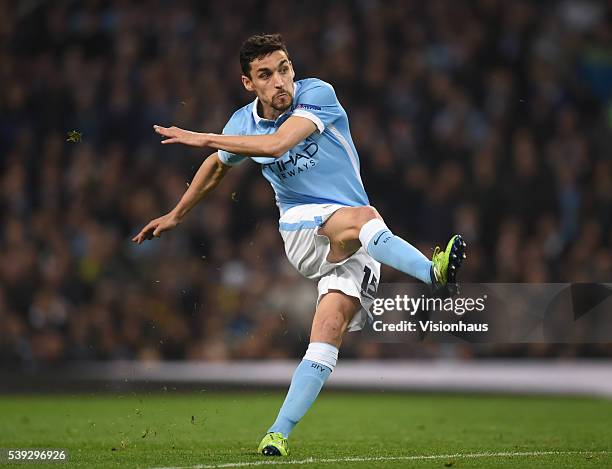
(391,250)
(308,379)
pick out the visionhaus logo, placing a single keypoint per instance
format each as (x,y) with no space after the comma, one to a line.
(401,305)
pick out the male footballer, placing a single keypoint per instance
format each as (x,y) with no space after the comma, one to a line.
(299,133)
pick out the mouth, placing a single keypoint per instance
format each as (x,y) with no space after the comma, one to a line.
(281,95)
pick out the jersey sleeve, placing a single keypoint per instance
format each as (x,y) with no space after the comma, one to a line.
(232,127)
(318,103)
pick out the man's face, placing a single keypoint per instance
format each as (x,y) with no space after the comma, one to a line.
(272,80)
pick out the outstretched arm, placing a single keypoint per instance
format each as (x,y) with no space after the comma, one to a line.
(206,179)
(293,131)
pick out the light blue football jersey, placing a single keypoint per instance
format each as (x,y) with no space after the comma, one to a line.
(323,168)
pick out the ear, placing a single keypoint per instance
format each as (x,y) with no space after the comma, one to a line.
(247,83)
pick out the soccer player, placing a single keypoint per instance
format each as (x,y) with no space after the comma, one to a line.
(299,133)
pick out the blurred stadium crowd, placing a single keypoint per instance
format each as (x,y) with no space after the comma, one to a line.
(489,118)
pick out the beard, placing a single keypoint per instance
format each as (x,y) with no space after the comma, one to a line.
(283,102)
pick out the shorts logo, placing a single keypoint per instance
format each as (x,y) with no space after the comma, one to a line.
(308,107)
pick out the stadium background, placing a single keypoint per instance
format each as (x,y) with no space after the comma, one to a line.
(488,118)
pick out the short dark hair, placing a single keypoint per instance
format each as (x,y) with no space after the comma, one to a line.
(259,46)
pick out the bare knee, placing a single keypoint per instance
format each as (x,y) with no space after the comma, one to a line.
(343,229)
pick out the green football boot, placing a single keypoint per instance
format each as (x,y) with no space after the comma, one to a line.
(446,264)
(274,444)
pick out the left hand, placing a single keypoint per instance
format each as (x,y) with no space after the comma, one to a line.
(178,135)
(156,227)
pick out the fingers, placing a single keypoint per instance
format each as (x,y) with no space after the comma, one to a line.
(153,230)
(170,132)
(140,237)
(161,227)
(146,233)
(165,131)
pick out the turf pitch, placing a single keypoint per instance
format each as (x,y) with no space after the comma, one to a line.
(341,430)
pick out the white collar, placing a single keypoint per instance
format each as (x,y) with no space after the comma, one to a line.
(258,118)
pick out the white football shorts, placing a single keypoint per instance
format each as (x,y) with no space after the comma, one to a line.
(356,276)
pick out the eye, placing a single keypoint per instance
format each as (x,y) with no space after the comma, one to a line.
(264,76)
(284,70)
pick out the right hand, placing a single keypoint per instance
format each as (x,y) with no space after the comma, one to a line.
(177,135)
(156,227)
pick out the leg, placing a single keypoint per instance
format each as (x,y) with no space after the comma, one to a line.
(352,227)
(332,317)
(343,228)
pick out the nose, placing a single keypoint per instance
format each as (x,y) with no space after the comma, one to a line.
(278,80)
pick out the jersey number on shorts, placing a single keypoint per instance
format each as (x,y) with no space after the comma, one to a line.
(369,285)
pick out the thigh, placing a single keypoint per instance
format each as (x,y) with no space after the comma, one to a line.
(332,317)
(342,229)
(306,248)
